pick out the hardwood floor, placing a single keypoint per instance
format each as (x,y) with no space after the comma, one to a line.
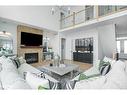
(82,66)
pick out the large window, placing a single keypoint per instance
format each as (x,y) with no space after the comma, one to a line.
(118,46)
(125,46)
(122,46)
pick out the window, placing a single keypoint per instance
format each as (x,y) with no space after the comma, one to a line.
(125,46)
(118,46)
(122,46)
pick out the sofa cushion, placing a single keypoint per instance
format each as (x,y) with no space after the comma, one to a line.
(91,84)
(118,74)
(9,74)
(27,68)
(35,82)
(9,78)
(110,85)
(7,64)
(19,84)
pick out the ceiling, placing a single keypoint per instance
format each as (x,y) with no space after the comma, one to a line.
(121,22)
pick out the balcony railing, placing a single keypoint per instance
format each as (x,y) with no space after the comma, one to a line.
(89,13)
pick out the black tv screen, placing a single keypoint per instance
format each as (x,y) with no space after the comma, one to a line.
(29,39)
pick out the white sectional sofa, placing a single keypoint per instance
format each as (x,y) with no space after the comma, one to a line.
(13,78)
(114,79)
(92,71)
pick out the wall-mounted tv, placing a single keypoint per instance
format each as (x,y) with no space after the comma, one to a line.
(30,39)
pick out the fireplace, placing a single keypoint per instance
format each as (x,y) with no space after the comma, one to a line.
(31,58)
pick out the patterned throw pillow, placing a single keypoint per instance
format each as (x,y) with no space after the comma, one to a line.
(16,62)
(104,69)
(102,63)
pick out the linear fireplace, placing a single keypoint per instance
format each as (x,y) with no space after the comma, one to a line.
(31,58)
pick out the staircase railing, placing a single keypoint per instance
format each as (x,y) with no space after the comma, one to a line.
(88,14)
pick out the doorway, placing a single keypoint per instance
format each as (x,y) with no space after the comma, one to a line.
(63,45)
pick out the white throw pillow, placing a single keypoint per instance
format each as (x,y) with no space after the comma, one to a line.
(106,59)
(35,81)
(7,64)
(118,75)
(2,59)
(22,60)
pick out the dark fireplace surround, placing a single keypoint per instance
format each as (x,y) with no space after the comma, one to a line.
(31,58)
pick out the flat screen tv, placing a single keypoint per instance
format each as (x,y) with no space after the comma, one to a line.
(30,39)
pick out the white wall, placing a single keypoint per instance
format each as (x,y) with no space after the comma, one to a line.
(70,37)
(39,16)
(11,28)
(107,41)
(56,44)
(50,36)
(53,41)
(103,45)
(121,29)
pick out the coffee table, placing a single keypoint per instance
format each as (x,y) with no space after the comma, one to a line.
(61,71)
